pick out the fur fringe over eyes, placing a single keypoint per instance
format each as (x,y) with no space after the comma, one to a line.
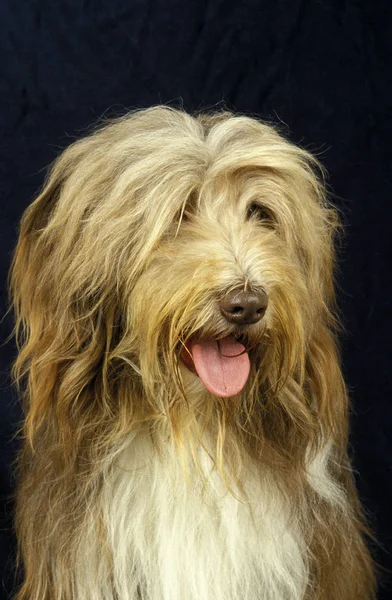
(135,482)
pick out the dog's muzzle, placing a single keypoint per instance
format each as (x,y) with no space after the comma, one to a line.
(223,364)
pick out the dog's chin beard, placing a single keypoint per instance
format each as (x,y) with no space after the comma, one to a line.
(222,361)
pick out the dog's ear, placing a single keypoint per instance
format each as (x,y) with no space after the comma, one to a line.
(319,232)
(67,318)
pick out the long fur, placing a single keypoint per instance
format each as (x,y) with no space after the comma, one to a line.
(134,481)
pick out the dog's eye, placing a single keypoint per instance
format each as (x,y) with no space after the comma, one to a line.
(189,208)
(256,211)
(186,215)
(183,216)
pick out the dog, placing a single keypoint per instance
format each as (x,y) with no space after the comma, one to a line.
(186,419)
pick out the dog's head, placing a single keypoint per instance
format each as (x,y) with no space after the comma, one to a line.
(174,263)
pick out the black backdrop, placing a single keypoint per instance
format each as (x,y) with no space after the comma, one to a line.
(319,66)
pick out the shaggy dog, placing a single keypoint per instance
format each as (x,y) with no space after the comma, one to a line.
(186,417)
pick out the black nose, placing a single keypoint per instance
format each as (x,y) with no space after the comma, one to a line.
(244,308)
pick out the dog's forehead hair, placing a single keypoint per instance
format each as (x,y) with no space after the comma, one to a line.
(227,199)
(237,192)
(235,161)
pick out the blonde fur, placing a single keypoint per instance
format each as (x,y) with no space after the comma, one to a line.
(134,481)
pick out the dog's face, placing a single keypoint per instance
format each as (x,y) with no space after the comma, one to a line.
(179,258)
(240,272)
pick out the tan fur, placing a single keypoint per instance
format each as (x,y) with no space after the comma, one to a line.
(134,481)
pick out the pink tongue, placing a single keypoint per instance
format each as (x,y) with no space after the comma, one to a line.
(223,365)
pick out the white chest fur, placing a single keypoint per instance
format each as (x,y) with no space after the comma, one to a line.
(171,541)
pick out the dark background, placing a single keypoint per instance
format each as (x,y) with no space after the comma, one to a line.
(321,67)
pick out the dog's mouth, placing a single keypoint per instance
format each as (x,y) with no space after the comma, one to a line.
(223,365)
